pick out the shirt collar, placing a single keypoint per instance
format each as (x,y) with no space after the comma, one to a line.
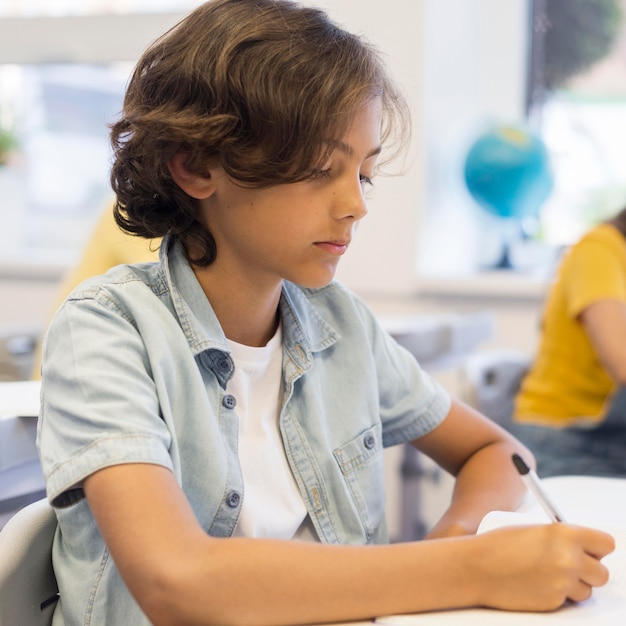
(304,329)
(194,311)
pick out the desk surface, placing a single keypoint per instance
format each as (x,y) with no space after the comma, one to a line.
(584,500)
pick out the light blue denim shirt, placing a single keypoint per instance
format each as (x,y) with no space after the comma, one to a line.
(136,369)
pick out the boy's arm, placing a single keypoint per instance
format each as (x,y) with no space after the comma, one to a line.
(478,453)
(181,576)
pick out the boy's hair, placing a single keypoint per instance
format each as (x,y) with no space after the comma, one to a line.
(256,86)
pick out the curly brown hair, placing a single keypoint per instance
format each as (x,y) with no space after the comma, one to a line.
(258,86)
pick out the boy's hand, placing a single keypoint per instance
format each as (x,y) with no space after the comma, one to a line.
(538,568)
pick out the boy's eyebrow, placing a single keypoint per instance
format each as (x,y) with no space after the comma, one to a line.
(342,146)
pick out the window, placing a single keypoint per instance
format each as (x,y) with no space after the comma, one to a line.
(577,101)
(63,68)
(554,67)
(55,179)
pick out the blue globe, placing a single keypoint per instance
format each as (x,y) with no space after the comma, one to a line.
(507,171)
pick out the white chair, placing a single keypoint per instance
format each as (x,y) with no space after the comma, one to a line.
(28,587)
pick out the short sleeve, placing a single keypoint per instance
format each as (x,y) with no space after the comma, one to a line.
(595,270)
(412,402)
(98,406)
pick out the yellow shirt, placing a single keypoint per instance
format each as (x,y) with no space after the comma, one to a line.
(566,380)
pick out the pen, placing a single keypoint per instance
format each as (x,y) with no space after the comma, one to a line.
(529,476)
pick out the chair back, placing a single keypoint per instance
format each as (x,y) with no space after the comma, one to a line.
(28,587)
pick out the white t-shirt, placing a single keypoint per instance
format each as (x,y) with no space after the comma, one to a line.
(272,503)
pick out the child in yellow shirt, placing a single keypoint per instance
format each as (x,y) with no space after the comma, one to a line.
(571,409)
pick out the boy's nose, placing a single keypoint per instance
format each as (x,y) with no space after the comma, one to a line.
(350,203)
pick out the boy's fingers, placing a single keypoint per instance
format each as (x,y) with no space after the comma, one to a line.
(597,543)
(580,592)
(594,573)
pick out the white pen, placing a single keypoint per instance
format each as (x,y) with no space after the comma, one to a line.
(529,476)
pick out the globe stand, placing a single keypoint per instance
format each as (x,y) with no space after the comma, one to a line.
(510,231)
(504,262)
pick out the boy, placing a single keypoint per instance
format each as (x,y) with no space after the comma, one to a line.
(212,425)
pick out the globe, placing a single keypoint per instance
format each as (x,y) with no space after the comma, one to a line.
(507,171)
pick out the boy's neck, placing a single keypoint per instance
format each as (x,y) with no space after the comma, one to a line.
(248,316)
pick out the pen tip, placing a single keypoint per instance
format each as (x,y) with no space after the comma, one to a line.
(521,466)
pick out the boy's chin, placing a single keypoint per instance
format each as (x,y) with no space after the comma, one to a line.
(316,284)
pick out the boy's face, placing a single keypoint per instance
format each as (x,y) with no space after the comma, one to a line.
(295,231)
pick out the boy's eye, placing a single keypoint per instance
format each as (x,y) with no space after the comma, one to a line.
(365,181)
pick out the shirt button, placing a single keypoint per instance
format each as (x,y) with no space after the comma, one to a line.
(230,402)
(233,499)
(369,441)
(224,364)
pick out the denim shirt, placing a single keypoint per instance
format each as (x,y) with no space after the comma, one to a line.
(136,369)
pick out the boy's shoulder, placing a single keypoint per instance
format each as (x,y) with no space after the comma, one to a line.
(125,276)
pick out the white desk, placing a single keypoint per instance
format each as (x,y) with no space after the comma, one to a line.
(21,478)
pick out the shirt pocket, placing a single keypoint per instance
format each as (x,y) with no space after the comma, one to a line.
(361,463)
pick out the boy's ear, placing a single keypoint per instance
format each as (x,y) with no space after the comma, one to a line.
(194,185)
